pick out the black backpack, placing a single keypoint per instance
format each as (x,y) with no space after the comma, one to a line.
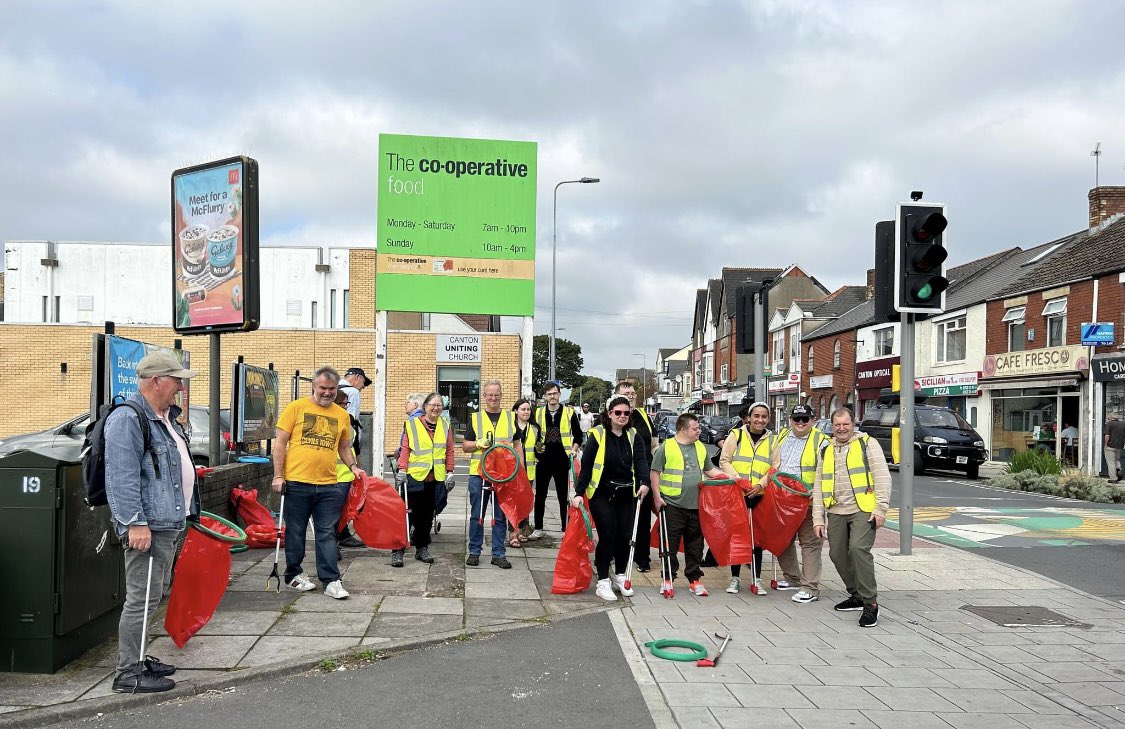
(93,451)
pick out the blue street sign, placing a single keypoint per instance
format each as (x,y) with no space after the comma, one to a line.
(1095,334)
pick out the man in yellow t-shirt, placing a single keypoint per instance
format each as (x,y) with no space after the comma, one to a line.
(312,434)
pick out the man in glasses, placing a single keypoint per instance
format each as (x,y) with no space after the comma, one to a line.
(493,424)
(640,422)
(796,452)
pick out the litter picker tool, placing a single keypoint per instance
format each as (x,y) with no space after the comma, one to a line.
(406,517)
(277,546)
(633,546)
(138,669)
(666,587)
(753,558)
(709,662)
(773,563)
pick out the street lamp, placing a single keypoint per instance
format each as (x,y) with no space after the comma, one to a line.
(644,374)
(554,262)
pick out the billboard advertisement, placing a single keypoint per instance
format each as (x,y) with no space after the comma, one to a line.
(456,225)
(215,247)
(122,356)
(255,403)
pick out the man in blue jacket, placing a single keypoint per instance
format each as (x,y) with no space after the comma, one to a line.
(150,494)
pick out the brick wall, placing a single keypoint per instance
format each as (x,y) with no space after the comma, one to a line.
(1105,202)
(1111,306)
(361,285)
(843,378)
(214,488)
(1079,300)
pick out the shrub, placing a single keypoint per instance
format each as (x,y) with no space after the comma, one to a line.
(1077,485)
(1028,481)
(1036,461)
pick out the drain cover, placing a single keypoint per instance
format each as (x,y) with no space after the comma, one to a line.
(1018,616)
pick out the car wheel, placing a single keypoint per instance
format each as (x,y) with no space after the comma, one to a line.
(919,463)
(973,471)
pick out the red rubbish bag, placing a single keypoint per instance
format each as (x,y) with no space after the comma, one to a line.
(516,497)
(353,505)
(573,570)
(725,522)
(382,522)
(779,514)
(261,527)
(201,576)
(654,536)
(260,536)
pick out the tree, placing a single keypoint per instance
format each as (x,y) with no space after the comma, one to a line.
(593,390)
(568,362)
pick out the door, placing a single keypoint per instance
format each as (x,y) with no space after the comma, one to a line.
(459,388)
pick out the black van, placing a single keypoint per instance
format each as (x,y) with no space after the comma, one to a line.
(942,438)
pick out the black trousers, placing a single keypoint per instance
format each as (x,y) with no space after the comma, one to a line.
(612,511)
(421,505)
(685,523)
(545,472)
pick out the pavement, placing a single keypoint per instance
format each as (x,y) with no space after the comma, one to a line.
(928,663)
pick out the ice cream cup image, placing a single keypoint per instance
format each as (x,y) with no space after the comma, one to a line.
(221,247)
(193,248)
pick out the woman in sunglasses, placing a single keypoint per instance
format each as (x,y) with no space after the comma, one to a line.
(613,476)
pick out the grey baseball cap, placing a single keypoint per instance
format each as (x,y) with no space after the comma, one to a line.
(163,364)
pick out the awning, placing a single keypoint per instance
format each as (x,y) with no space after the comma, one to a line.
(1005,383)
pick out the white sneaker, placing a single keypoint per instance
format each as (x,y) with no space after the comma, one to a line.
(302,582)
(619,585)
(336,589)
(536,535)
(804,597)
(758,588)
(785,585)
(605,591)
(734,586)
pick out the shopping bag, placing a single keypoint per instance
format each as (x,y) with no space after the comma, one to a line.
(573,571)
(201,576)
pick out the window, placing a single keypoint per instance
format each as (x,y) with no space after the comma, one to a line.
(44,309)
(346,302)
(950,340)
(885,342)
(1055,315)
(779,350)
(58,308)
(836,355)
(810,362)
(1017,328)
(723,372)
(314,315)
(332,309)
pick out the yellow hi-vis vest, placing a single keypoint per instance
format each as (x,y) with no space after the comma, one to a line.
(530,437)
(566,413)
(426,453)
(648,421)
(859,473)
(813,444)
(503,432)
(672,477)
(749,460)
(598,434)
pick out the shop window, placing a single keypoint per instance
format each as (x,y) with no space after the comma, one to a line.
(885,342)
(836,355)
(1054,313)
(950,340)
(1017,328)
(810,363)
(723,372)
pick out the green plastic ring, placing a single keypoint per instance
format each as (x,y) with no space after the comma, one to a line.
(719,482)
(239,548)
(489,450)
(658,649)
(238,538)
(777,482)
(573,471)
(589,524)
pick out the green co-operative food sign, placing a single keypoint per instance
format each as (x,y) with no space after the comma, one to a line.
(456,225)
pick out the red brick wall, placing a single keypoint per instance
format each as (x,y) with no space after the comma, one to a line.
(843,379)
(1078,309)
(726,355)
(1105,202)
(1111,307)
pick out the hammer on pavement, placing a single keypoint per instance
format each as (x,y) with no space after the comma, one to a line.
(709,663)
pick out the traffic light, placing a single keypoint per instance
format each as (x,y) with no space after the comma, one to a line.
(920,255)
(744,301)
(885,271)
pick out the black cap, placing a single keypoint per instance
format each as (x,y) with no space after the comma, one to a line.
(800,411)
(359,371)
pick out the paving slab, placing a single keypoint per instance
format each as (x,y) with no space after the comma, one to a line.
(275,649)
(404,625)
(204,651)
(750,719)
(905,719)
(834,719)
(761,696)
(421,605)
(357,602)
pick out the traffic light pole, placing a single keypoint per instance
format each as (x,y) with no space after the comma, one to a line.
(759,347)
(906,433)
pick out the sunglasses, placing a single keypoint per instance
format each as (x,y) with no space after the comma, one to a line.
(619,413)
(800,420)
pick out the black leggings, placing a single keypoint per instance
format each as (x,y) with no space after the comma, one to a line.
(544,474)
(612,511)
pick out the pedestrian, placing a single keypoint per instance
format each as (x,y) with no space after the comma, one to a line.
(312,433)
(586,418)
(849,505)
(796,452)
(529,438)
(491,425)
(1069,437)
(413,404)
(1114,441)
(350,387)
(640,422)
(677,468)
(425,464)
(748,453)
(562,441)
(613,473)
(149,494)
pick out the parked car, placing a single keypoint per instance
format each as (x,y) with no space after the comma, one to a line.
(664,427)
(70,434)
(708,433)
(942,438)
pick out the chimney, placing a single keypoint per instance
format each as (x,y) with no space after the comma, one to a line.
(1105,202)
(870,293)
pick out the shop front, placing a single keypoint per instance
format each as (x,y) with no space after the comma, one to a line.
(784,392)
(871,377)
(1108,372)
(957,391)
(1036,402)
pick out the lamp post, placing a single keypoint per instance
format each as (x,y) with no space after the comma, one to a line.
(644,374)
(554,263)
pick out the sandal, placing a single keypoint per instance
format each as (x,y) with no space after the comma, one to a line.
(515,543)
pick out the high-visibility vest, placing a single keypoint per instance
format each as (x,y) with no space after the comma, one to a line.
(859,473)
(426,453)
(648,422)
(672,477)
(530,437)
(813,445)
(503,432)
(598,434)
(566,414)
(749,460)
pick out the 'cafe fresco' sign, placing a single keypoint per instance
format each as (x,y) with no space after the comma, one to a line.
(1036,362)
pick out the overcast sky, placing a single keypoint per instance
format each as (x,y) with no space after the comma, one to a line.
(725,134)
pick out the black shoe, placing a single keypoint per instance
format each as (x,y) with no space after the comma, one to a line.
(144,681)
(423,555)
(850,605)
(352,543)
(396,558)
(502,563)
(158,668)
(472,560)
(643,567)
(870,617)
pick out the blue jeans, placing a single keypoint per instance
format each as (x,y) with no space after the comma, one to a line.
(476,529)
(324,504)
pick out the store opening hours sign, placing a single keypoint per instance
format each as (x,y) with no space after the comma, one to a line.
(456,225)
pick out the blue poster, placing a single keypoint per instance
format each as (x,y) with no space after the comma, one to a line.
(122,357)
